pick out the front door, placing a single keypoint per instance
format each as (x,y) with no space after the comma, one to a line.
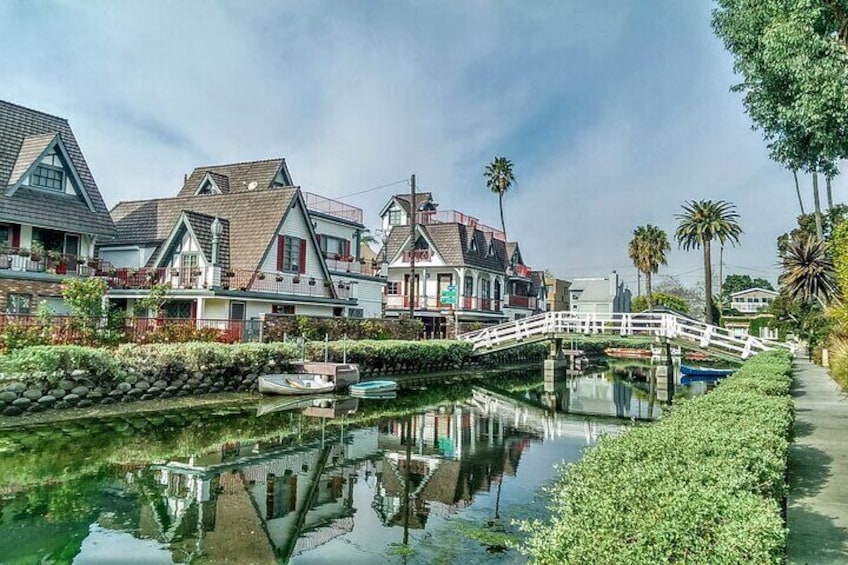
(237,315)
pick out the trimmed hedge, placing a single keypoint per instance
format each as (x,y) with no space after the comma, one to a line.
(703,485)
(395,356)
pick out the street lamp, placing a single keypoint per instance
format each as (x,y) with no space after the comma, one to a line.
(217,229)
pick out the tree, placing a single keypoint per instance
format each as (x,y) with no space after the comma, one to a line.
(701,222)
(792,57)
(808,272)
(499,179)
(662,299)
(807,227)
(647,250)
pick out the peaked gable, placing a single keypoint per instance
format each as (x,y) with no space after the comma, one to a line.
(26,136)
(249,176)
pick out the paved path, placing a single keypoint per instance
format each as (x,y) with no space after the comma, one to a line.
(818,467)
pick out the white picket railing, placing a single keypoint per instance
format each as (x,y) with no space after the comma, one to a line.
(643,324)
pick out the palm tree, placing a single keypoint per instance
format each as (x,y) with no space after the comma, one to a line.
(647,250)
(701,222)
(808,272)
(499,179)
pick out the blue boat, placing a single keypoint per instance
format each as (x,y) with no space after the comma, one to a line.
(372,388)
(693,374)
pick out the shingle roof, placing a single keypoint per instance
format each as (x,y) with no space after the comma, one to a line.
(23,129)
(405,199)
(239,176)
(201,224)
(31,148)
(452,242)
(253,218)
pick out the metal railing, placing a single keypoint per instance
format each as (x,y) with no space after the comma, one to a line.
(281,283)
(653,325)
(318,203)
(466,303)
(456,217)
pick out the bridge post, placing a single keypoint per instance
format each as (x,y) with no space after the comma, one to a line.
(555,361)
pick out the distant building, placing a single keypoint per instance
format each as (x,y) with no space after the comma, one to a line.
(752,300)
(603,295)
(558,296)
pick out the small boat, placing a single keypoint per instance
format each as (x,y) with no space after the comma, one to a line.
(627,353)
(295,383)
(699,374)
(372,388)
(696,356)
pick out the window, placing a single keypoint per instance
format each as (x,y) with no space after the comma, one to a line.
(393,288)
(291,253)
(283,309)
(50,240)
(395,217)
(469,287)
(497,289)
(355,313)
(52,178)
(485,288)
(179,310)
(5,235)
(334,246)
(18,303)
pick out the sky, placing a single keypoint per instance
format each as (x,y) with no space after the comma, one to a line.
(613,112)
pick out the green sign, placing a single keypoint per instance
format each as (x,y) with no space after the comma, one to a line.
(448,295)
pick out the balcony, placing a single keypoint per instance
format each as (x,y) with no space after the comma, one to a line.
(48,262)
(209,277)
(518,301)
(343,265)
(455,217)
(519,271)
(330,207)
(398,302)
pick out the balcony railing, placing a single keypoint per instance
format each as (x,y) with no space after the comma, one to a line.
(332,207)
(518,301)
(397,302)
(280,283)
(455,217)
(47,262)
(344,265)
(522,271)
(178,278)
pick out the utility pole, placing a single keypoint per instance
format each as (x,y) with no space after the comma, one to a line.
(413,213)
(721,280)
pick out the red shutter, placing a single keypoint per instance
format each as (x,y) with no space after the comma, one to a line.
(281,250)
(16,235)
(347,248)
(302,256)
(194,309)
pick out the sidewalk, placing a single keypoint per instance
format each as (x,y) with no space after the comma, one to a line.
(818,467)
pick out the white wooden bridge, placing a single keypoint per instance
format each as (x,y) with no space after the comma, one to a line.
(648,327)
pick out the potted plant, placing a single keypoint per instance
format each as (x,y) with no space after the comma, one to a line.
(36,252)
(230,274)
(296,279)
(278,278)
(312,281)
(260,275)
(196,272)
(328,284)
(23,252)
(61,267)
(175,272)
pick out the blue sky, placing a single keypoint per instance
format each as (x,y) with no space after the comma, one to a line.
(613,112)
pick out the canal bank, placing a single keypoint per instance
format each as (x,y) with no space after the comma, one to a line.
(818,465)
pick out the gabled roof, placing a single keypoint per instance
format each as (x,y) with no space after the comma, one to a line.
(26,134)
(249,176)
(253,219)
(404,200)
(757,289)
(216,183)
(200,226)
(452,243)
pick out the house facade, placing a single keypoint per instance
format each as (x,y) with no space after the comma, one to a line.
(558,295)
(601,295)
(237,242)
(51,212)
(752,300)
(451,250)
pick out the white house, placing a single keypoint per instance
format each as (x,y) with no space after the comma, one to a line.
(752,300)
(601,295)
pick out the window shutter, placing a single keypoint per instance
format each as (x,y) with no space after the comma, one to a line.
(16,235)
(281,250)
(302,268)
(347,248)
(193,309)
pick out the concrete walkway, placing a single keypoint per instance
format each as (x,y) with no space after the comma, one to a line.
(818,467)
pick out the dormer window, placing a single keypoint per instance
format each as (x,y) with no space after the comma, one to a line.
(48,176)
(491,251)
(395,217)
(473,246)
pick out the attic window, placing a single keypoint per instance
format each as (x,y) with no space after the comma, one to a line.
(49,177)
(208,188)
(473,246)
(421,243)
(491,251)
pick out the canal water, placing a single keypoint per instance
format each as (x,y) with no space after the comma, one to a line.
(437,475)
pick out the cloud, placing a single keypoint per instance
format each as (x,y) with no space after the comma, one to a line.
(613,114)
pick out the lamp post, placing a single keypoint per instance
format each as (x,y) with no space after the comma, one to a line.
(217,229)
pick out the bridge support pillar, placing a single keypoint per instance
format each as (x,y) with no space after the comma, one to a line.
(556,351)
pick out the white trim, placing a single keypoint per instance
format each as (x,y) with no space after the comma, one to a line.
(169,242)
(207,178)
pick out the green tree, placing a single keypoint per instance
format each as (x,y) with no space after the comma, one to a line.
(499,179)
(807,226)
(662,299)
(808,272)
(792,59)
(647,250)
(701,222)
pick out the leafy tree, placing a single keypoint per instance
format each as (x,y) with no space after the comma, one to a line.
(807,226)
(701,222)
(647,250)
(499,179)
(693,296)
(808,272)
(806,320)
(86,299)
(661,299)
(792,59)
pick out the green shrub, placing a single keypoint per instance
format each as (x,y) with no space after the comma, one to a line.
(703,485)
(395,355)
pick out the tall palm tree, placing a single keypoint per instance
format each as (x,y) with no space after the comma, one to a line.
(701,222)
(499,179)
(808,272)
(647,250)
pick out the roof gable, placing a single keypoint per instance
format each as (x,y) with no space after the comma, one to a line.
(756,289)
(25,137)
(198,226)
(250,176)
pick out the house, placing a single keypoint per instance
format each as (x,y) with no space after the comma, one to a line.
(752,300)
(602,295)
(236,242)
(51,212)
(558,294)
(465,271)
(539,289)
(398,210)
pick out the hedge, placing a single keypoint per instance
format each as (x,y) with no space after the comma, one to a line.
(703,485)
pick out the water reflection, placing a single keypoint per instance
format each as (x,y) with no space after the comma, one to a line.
(311,481)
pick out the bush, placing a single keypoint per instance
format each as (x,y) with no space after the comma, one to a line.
(277,327)
(375,356)
(703,485)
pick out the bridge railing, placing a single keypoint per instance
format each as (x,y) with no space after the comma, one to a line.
(645,324)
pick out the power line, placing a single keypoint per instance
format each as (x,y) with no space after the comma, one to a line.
(373,188)
(753,270)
